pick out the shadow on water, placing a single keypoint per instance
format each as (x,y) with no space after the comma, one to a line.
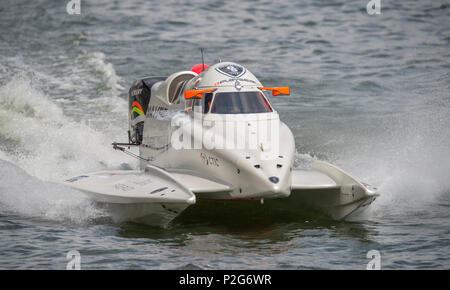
(248,225)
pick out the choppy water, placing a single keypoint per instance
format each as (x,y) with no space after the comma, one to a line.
(370,94)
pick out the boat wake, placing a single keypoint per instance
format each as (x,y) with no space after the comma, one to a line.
(44,139)
(38,136)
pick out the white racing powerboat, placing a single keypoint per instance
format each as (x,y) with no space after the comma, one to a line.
(211,134)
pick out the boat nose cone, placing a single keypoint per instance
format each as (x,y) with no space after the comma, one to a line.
(274,179)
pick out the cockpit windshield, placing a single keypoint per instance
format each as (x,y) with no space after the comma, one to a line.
(240,103)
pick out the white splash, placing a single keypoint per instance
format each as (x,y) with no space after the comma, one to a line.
(47,144)
(28,196)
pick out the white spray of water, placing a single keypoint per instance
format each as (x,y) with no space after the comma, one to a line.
(97,61)
(47,144)
(410,163)
(303,160)
(44,145)
(26,195)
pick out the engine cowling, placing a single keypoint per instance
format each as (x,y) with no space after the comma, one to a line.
(139,97)
(160,92)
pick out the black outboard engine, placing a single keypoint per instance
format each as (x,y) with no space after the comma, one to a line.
(138,99)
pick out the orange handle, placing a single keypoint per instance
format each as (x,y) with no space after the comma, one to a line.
(196,94)
(277,91)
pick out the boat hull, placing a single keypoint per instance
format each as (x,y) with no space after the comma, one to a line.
(151,214)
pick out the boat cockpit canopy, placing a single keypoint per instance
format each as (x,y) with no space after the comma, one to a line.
(234,103)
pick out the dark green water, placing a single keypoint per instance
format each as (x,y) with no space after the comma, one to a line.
(369,94)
